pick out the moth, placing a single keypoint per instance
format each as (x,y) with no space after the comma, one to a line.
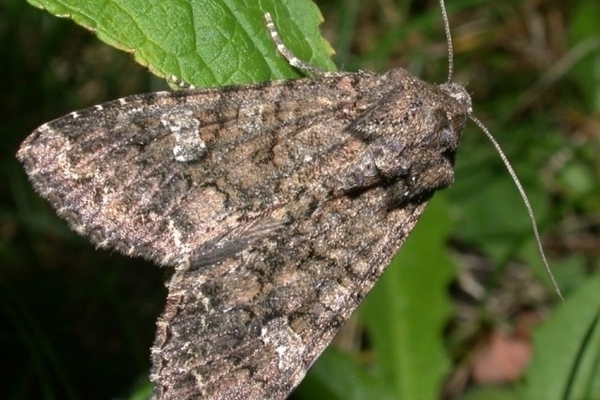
(278,205)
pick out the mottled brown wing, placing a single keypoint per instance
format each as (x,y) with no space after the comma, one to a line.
(248,323)
(279,204)
(157,175)
(249,326)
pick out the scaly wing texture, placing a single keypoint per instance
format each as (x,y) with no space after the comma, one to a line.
(279,204)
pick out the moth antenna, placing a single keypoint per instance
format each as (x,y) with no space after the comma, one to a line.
(513,175)
(503,157)
(449,41)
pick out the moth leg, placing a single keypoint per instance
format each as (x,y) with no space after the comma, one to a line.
(288,55)
(181,84)
(420,183)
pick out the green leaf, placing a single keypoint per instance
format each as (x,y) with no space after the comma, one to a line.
(204,43)
(336,376)
(407,310)
(490,393)
(566,363)
(585,41)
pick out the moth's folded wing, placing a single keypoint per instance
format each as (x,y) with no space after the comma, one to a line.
(250,323)
(155,175)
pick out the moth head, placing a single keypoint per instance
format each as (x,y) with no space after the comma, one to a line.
(459,93)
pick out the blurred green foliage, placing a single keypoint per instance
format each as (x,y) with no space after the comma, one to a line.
(78,322)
